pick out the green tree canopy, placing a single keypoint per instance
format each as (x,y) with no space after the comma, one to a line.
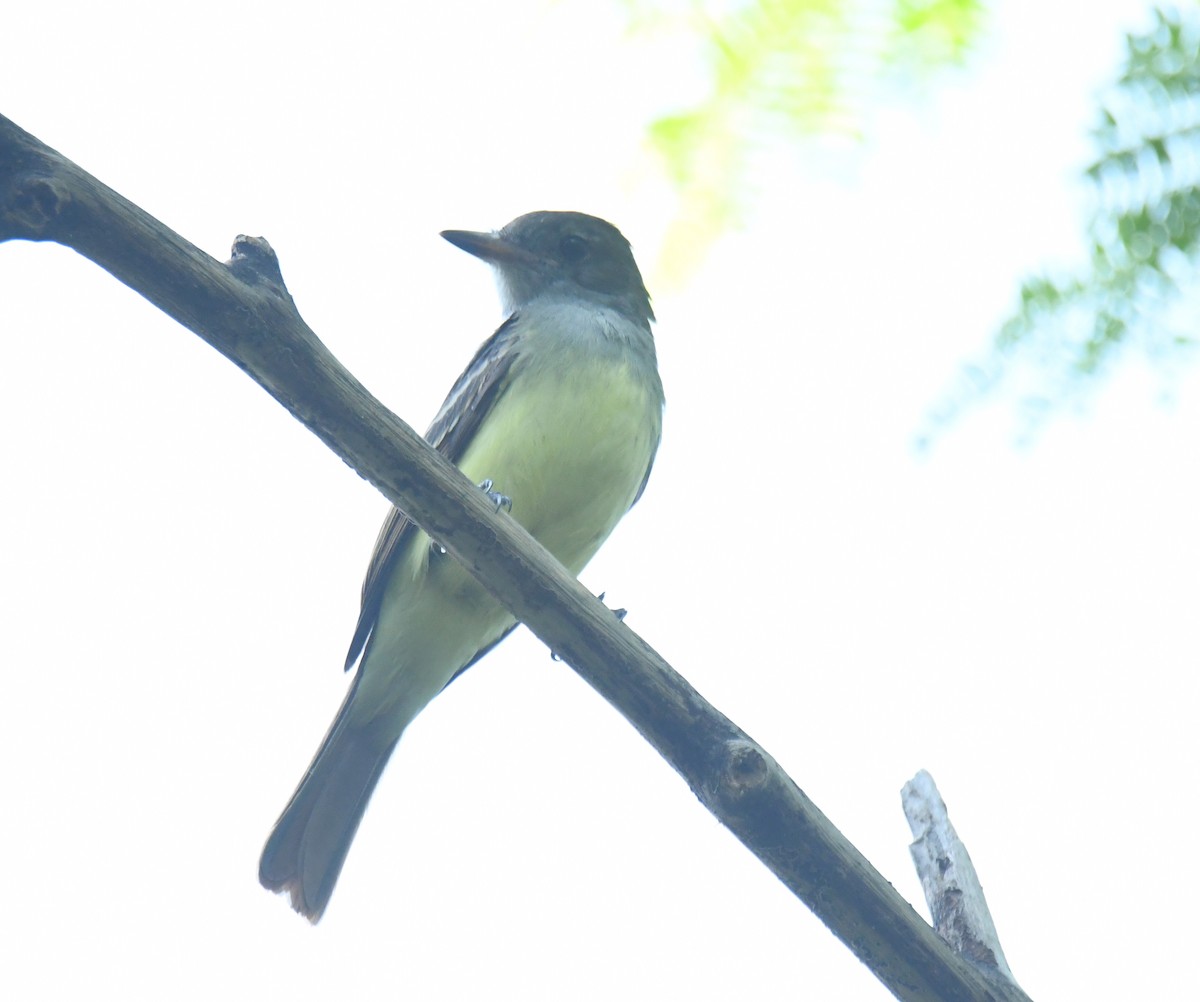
(1137,289)
(790,69)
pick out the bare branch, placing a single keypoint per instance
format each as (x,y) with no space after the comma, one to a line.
(244,311)
(952,888)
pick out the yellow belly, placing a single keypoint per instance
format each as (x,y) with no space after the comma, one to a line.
(571,450)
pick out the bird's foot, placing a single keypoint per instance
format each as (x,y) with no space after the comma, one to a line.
(619,613)
(498,499)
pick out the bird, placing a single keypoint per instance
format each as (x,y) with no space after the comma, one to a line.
(558,417)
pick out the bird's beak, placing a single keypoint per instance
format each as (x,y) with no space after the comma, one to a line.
(493,248)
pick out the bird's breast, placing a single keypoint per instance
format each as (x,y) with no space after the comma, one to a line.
(569,441)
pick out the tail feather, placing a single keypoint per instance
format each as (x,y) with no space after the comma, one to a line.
(308,845)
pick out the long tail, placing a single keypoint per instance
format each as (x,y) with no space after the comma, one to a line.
(308,845)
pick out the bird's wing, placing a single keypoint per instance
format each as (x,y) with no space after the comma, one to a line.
(465,407)
(645,480)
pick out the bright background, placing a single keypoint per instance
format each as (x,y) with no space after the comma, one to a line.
(182,559)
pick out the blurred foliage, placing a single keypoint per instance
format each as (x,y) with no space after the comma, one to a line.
(775,68)
(1139,284)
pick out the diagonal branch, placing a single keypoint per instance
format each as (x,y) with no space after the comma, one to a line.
(243,309)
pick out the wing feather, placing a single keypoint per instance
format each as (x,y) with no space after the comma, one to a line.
(468,403)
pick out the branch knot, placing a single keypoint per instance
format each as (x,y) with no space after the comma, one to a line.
(745,770)
(35,205)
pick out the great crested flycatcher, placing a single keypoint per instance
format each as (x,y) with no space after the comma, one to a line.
(559,416)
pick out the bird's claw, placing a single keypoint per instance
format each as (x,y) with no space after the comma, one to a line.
(619,613)
(498,499)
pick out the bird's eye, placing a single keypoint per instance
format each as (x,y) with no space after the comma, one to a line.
(572,248)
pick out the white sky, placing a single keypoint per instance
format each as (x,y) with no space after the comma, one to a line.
(182,559)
